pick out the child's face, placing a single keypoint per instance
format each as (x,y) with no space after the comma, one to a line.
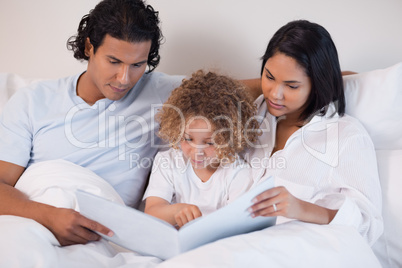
(197,144)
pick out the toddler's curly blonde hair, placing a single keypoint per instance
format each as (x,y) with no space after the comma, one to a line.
(221,100)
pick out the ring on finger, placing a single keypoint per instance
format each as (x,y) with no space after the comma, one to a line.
(275,208)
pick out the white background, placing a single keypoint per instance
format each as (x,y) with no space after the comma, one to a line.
(225,35)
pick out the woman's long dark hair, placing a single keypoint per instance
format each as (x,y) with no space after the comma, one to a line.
(312,47)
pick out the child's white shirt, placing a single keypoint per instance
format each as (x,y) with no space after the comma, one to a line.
(174,180)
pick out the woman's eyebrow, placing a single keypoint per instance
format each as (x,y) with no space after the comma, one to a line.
(287,81)
(266,69)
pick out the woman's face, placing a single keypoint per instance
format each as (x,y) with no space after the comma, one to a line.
(285,86)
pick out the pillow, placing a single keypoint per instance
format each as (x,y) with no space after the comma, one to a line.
(9,83)
(375,99)
(388,247)
(54,182)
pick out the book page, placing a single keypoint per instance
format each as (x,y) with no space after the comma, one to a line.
(230,220)
(132,229)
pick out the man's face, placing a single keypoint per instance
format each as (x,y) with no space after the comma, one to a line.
(113,70)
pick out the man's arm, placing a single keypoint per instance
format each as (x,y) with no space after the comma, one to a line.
(348,73)
(68,226)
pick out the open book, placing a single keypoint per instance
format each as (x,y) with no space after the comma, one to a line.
(149,235)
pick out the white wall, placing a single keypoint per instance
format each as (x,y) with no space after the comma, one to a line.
(228,35)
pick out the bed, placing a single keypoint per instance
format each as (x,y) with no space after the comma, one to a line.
(373,97)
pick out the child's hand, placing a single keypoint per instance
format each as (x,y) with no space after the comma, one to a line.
(187,213)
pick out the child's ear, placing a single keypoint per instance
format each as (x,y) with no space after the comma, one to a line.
(88,48)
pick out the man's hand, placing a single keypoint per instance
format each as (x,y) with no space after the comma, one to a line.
(67,225)
(70,227)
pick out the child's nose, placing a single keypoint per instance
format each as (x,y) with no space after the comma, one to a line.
(198,150)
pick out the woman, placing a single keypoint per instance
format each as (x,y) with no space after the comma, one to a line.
(322,160)
(328,172)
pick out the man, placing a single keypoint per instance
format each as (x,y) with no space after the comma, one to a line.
(101,119)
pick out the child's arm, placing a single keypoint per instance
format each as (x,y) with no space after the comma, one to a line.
(175,214)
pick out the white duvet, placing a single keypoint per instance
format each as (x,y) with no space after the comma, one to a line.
(25,243)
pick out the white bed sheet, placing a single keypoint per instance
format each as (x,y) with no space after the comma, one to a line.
(26,243)
(291,244)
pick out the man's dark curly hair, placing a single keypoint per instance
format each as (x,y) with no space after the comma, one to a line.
(128,20)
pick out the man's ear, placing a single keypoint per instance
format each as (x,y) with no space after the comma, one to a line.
(88,47)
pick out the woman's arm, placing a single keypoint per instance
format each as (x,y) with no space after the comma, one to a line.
(278,201)
(357,178)
(253,86)
(350,188)
(348,73)
(175,214)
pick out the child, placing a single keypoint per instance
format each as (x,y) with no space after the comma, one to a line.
(207,121)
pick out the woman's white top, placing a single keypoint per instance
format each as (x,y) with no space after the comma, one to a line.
(330,162)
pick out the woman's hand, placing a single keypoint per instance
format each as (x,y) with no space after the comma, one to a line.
(187,213)
(70,227)
(276,201)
